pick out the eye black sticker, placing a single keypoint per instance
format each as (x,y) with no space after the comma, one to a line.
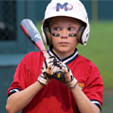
(72,35)
(56,34)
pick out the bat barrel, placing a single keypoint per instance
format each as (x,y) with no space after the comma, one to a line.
(34,36)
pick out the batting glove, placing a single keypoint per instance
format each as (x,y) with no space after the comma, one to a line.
(68,80)
(46,75)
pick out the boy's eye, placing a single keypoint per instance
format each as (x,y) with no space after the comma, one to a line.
(57,28)
(70,28)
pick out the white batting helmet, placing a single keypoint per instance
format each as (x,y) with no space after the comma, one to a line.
(68,8)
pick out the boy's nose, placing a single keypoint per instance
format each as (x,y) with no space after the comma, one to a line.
(64,33)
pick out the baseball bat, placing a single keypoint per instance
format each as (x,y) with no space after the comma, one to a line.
(34,36)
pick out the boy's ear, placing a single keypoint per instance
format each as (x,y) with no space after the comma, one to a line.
(48,35)
(80,32)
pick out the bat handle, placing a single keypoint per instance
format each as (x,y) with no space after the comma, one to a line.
(59,74)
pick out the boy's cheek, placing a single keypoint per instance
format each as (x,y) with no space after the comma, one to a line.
(56,34)
(72,34)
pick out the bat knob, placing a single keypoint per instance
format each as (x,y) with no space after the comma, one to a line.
(59,74)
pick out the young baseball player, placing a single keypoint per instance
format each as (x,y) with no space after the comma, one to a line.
(34,88)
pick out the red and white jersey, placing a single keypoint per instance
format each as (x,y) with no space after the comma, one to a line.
(56,97)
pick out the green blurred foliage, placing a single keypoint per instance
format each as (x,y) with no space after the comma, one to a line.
(99,49)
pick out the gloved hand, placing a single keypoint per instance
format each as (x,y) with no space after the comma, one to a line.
(68,80)
(46,75)
(57,71)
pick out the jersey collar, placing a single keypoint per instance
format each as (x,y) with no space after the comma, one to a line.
(66,60)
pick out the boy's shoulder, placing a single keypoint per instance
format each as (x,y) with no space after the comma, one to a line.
(85,61)
(34,56)
(82,58)
(87,65)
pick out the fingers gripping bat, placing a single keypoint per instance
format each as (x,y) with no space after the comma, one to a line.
(34,36)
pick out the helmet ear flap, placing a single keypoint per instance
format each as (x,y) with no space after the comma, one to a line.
(80,32)
(48,35)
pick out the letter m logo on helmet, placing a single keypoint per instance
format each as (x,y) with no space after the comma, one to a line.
(65,6)
(61,6)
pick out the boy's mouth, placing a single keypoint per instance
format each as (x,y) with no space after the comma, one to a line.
(63,43)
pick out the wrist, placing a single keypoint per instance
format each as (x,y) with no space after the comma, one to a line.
(40,84)
(75,89)
(74,86)
(42,79)
(72,83)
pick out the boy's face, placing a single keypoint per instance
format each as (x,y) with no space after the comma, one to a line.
(64,34)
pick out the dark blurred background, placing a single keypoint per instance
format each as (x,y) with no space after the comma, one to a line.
(14,45)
